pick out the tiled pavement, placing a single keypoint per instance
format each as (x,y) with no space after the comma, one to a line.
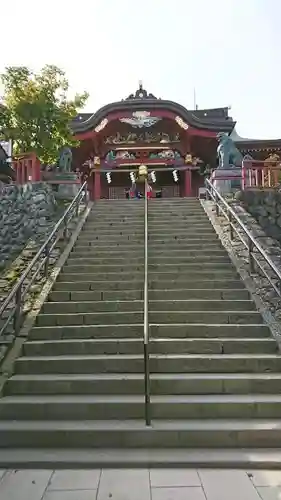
(140,484)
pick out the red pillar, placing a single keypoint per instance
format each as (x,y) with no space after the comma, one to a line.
(187,183)
(97,186)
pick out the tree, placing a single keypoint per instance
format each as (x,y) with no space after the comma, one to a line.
(36,112)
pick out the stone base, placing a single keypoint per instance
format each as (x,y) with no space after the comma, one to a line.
(66,191)
(227,186)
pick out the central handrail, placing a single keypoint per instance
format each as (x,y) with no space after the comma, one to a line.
(251,244)
(145,315)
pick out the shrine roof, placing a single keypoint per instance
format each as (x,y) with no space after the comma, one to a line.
(248,144)
(216,119)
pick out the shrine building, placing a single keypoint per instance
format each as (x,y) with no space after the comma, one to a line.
(177,145)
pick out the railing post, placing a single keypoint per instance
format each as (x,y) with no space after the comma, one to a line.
(251,260)
(217,204)
(65,228)
(231,235)
(47,260)
(17,315)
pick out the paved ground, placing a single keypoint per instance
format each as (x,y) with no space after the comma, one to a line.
(155,484)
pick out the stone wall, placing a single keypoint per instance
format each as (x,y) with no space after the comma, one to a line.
(265,206)
(25,211)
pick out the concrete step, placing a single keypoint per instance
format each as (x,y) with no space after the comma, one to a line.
(200,330)
(133,345)
(223,433)
(164,276)
(188,305)
(166,260)
(133,383)
(116,317)
(96,318)
(101,285)
(153,246)
(133,363)
(137,266)
(112,407)
(173,227)
(152,253)
(94,306)
(64,296)
(85,458)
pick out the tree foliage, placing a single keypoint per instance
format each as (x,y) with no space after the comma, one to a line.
(36,111)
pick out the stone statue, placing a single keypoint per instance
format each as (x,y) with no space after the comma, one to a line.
(228,154)
(65,160)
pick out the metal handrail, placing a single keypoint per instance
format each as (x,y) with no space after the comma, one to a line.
(250,243)
(14,300)
(145,315)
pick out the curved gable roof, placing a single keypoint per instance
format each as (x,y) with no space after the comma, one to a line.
(208,119)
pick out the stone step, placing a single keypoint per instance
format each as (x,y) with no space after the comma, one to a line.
(134,253)
(171,345)
(85,458)
(200,330)
(88,407)
(93,306)
(92,259)
(158,246)
(222,433)
(137,284)
(189,233)
(173,227)
(133,383)
(188,305)
(136,316)
(96,225)
(63,284)
(176,276)
(64,296)
(176,266)
(129,363)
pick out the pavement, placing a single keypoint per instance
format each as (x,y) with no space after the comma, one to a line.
(140,484)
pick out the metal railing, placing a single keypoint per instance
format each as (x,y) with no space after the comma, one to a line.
(145,315)
(254,249)
(11,310)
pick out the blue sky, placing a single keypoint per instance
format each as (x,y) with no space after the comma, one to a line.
(228,50)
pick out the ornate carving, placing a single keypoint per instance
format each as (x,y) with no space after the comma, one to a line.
(141,93)
(101,125)
(147,137)
(181,123)
(141,119)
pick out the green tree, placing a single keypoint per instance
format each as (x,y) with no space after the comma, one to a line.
(36,111)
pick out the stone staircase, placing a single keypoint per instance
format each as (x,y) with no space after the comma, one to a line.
(77,393)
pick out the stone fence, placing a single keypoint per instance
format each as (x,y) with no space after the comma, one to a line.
(25,211)
(265,206)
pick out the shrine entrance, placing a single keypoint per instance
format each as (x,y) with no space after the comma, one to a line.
(120,185)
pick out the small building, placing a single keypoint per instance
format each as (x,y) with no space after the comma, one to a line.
(177,144)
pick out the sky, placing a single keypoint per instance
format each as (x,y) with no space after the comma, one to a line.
(229,51)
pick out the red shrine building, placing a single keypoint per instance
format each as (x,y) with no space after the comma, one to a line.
(177,145)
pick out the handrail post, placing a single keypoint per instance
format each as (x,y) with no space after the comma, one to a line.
(47,260)
(231,235)
(145,319)
(251,260)
(17,314)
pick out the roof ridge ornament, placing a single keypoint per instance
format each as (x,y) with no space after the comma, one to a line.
(140,93)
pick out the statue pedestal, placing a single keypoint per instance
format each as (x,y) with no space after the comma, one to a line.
(67,185)
(224,180)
